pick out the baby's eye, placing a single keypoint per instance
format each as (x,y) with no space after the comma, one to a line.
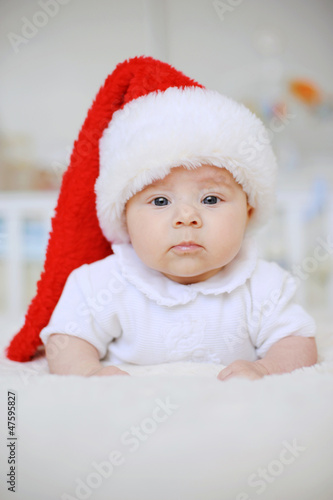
(211,200)
(161,201)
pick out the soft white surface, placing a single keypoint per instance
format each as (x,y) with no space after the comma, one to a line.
(214,444)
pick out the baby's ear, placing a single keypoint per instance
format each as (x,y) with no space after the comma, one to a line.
(250,211)
(124,221)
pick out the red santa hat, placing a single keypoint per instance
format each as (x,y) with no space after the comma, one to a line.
(146,119)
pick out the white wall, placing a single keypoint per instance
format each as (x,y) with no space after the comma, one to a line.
(48,85)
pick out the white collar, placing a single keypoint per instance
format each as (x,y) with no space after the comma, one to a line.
(166,292)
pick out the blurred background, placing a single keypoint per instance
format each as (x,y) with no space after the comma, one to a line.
(275,56)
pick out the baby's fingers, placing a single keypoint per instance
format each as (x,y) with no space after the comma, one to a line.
(242,369)
(225,374)
(109,371)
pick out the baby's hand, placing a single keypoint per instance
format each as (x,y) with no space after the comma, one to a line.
(107,371)
(245,369)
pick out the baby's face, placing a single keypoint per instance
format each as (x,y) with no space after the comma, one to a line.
(190,224)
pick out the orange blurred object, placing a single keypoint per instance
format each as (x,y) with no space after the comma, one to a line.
(305,91)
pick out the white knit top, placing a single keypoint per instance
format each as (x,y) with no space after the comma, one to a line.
(133,314)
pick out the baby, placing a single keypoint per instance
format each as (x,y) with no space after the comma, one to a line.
(179,195)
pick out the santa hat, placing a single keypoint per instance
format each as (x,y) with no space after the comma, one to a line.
(146,119)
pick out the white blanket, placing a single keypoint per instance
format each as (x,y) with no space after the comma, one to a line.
(167,432)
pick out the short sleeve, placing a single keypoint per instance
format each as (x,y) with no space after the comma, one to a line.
(79,314)
(275,313)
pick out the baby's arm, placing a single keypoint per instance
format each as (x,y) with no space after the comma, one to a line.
(68,355)
(286,355)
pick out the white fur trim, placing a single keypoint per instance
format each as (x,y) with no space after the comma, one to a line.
(188,127)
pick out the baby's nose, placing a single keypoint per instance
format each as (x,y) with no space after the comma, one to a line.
(187,215)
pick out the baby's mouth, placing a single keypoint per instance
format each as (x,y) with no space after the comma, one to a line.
(187,247)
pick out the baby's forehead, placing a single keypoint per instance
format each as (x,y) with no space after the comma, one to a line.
(204,174)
